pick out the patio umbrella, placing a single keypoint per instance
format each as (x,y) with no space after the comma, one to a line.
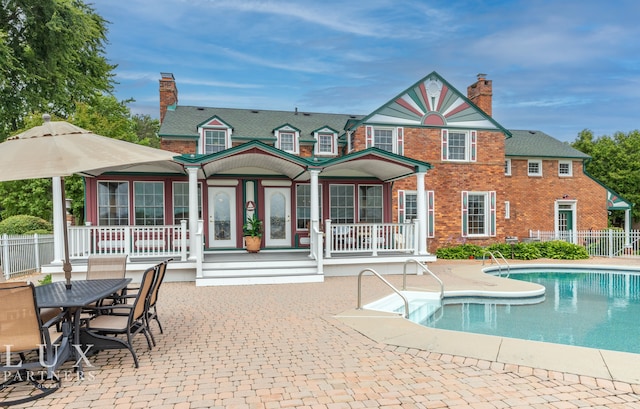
(59,149)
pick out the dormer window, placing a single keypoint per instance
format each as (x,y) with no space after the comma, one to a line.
(287,139)
(214,141)
(215,136)
(326,142)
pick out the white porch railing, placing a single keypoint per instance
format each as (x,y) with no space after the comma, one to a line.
(370,238)
(598,243)
(135,241)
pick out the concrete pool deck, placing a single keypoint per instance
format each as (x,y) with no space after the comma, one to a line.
(297,346)
(467,278)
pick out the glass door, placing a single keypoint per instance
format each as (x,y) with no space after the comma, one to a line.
(277,226)
(222,217)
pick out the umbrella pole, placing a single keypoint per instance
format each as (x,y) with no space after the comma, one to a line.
(66,264)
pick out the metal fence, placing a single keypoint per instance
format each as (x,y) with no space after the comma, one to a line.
(24,254)
(598,243)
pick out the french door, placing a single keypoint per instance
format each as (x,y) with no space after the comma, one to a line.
(277,223)
(222,217)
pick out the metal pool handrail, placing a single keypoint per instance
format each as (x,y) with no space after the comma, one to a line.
(425,268)
(406,302)
(493,257)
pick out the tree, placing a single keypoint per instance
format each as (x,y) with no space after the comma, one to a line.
(147,130)
(52,55)
(615,162)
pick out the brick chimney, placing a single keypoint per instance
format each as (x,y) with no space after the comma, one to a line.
(168,92)
(481,93)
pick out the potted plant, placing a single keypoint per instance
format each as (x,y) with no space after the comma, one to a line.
(252,231)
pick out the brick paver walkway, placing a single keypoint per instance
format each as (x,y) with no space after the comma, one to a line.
(278,346)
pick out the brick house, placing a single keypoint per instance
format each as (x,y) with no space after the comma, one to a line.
(429,168)
(505,182)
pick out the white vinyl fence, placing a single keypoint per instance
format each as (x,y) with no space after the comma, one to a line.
(598,243)
(24,254)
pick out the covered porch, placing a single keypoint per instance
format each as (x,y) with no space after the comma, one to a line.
(306,236)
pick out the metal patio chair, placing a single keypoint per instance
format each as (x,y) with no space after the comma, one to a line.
(100,266)
(152,312)
(32,358)
(122,319)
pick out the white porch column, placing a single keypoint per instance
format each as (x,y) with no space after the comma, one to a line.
(627,227)
(193,212)
(58,221)
(315,205)
(422,214)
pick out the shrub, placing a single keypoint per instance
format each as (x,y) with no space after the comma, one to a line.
(24,224)
(459,252)
(560,250)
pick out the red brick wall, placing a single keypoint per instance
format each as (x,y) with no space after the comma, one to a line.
(306,151)
(449,179)
(532,199)
(178,146)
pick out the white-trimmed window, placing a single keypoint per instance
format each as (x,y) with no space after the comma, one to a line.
(478,214)
(507,167)
(113,203)
(386,138)
(370,203)
(215,140)
(459,146)
(534,167)
(565,168)
(215,136)
(408,208)
(148,200)
(287,139)
(326,142)
(303,206)
(342,203)
(181,201)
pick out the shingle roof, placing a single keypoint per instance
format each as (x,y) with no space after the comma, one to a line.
(539,144)
(250,123)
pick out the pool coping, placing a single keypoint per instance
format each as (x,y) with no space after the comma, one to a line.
(394,330)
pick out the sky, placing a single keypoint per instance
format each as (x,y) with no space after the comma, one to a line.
(558,66)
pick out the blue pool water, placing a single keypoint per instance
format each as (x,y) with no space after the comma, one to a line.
(595,310)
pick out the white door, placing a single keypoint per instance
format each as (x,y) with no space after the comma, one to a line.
(222,217)
(277,209)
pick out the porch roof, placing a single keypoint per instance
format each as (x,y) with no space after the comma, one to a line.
(256,157)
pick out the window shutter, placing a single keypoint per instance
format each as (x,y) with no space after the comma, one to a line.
(369,137)
(400,133)
(445,140)
(474,137)
(431,215)
(492,213)
(401,210)
(465,213)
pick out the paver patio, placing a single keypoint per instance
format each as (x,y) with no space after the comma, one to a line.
(280,346)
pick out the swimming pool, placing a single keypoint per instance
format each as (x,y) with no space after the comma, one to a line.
(591,309)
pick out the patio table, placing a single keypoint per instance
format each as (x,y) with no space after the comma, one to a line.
(82,293)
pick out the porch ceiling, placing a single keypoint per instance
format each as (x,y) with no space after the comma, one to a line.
(254,160)
(370,165)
